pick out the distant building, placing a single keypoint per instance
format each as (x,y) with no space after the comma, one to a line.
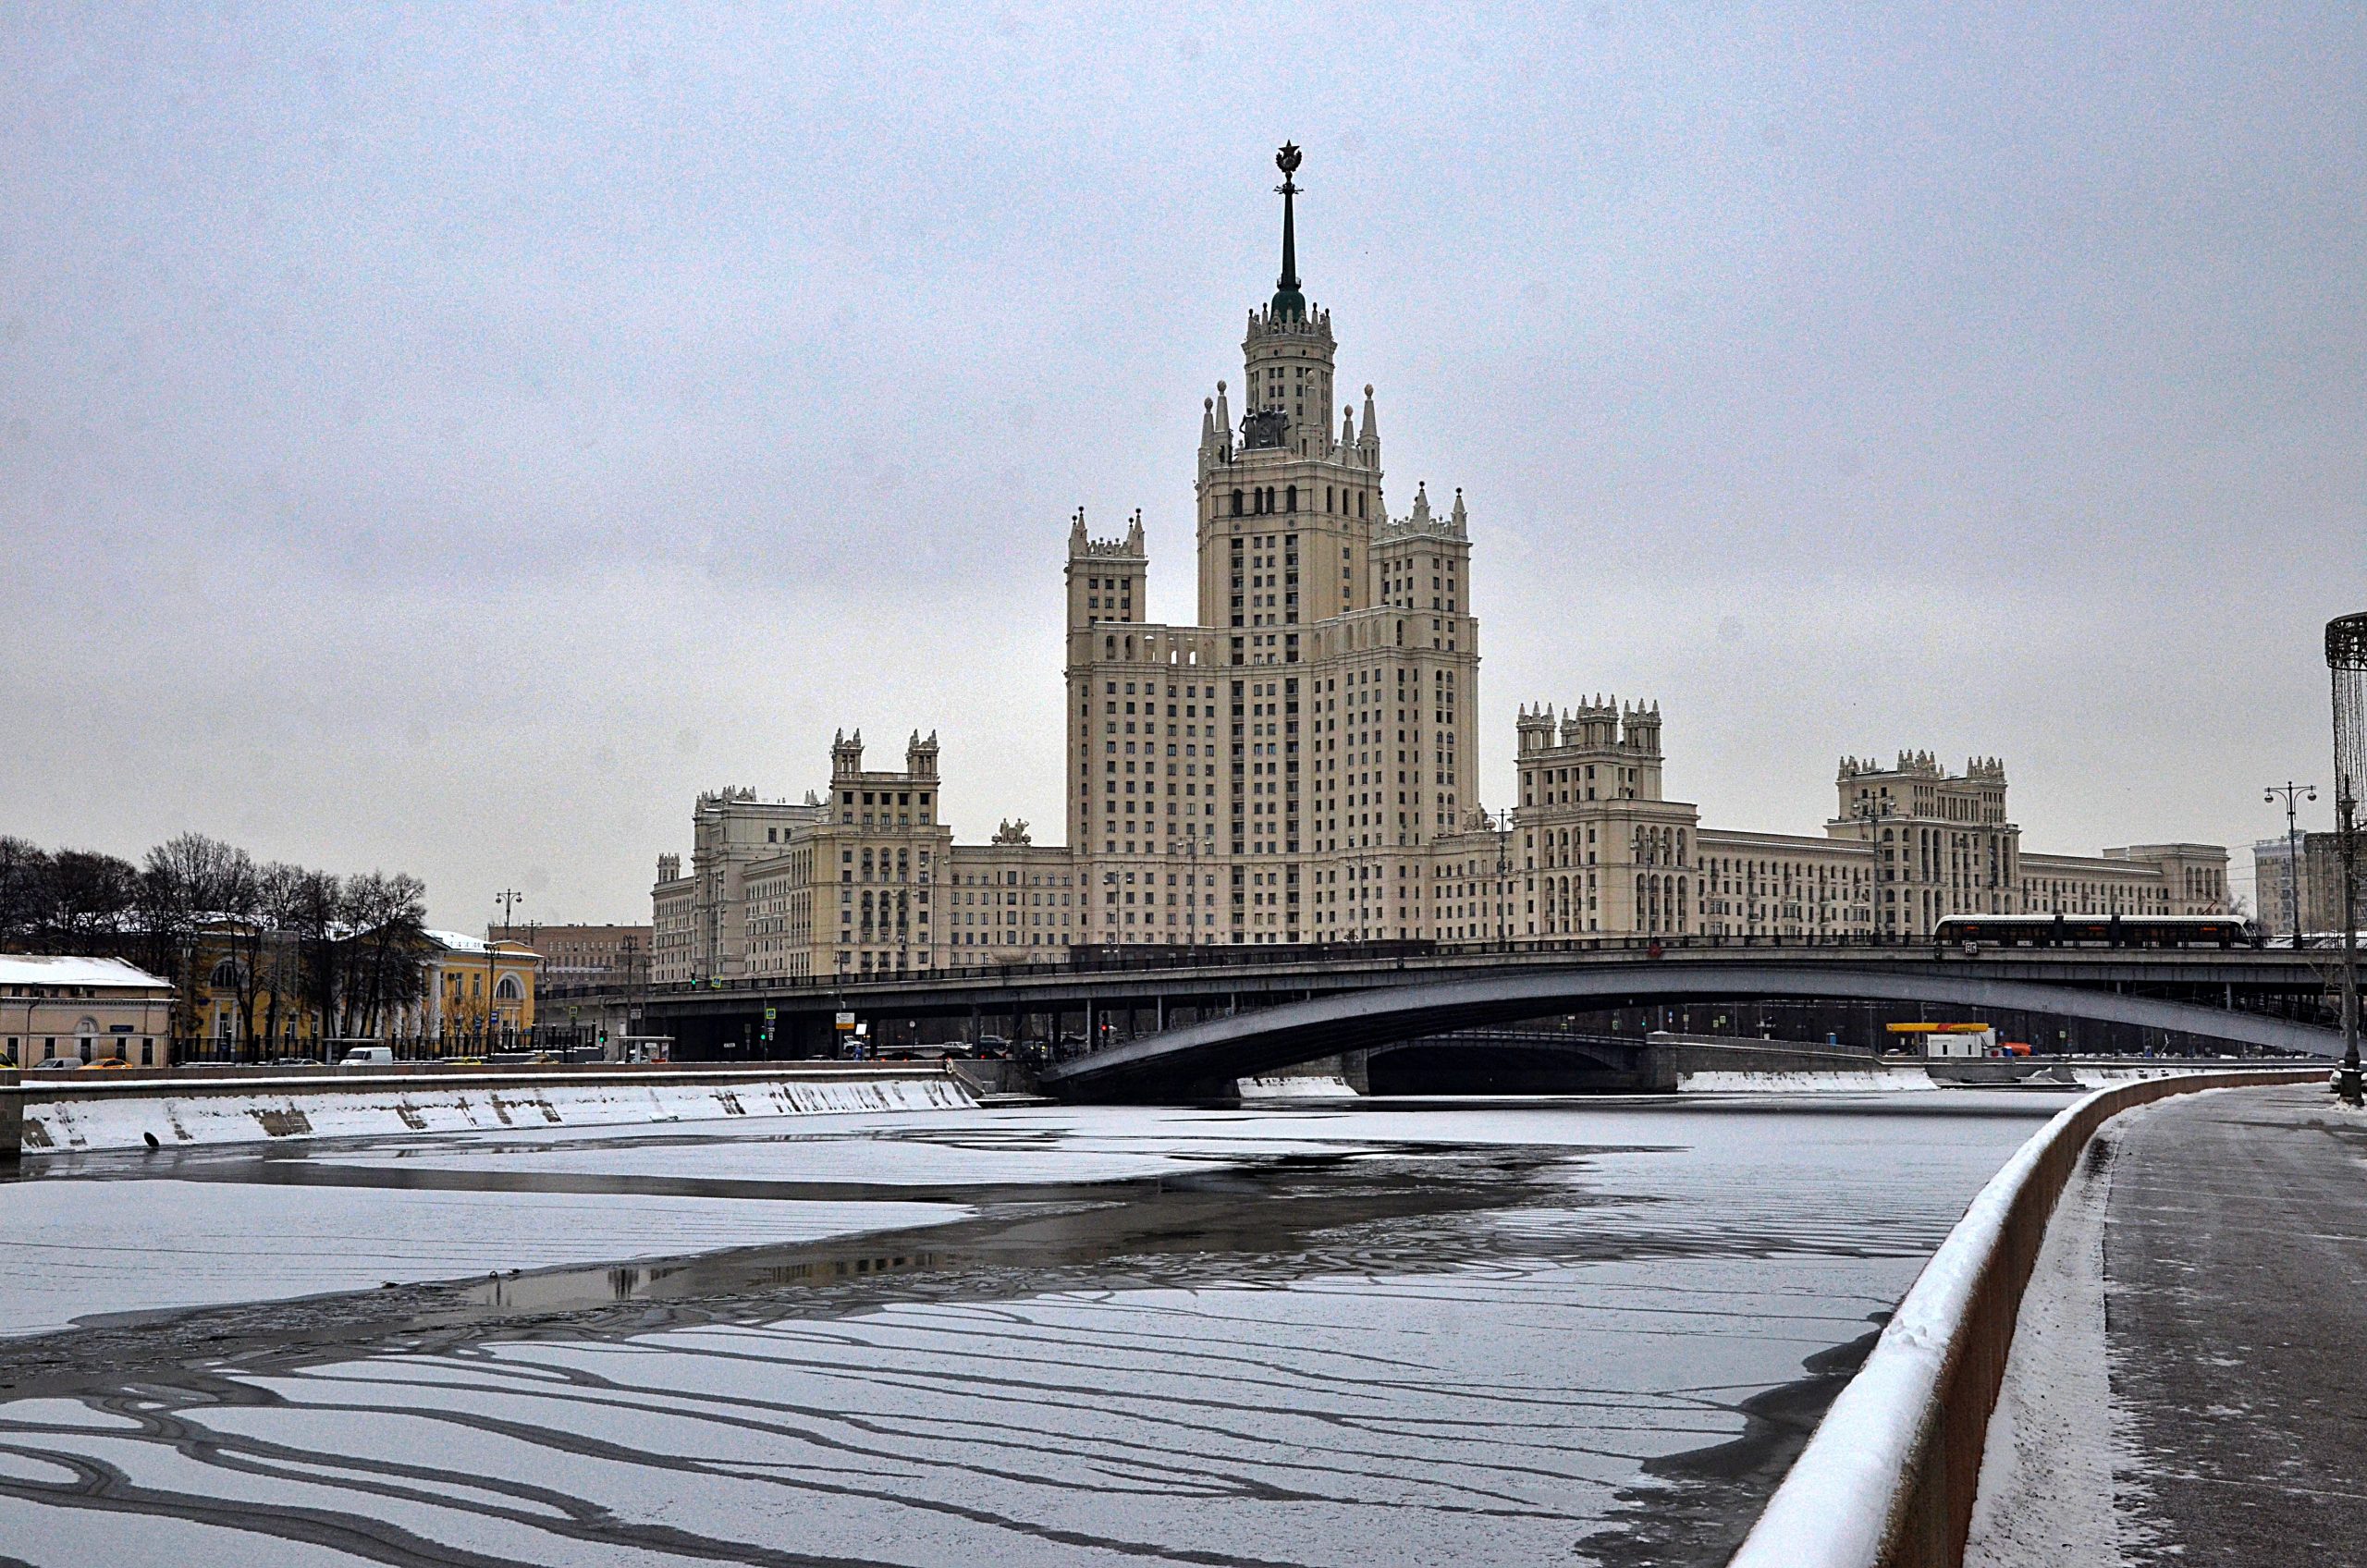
(2321,879)
(1011,901)
(82,1010)
(1595,848)
(585,955)
(475,990)
(865,880)
(1298,763)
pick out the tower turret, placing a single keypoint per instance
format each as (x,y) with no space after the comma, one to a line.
(1536,725)
(1108,579)
(1641,731)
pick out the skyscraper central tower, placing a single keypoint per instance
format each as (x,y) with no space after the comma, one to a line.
(1282,771)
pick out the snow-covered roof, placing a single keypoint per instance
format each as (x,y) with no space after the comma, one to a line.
(461,942)
(66,969)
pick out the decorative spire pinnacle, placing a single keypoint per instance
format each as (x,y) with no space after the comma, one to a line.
(1289,304)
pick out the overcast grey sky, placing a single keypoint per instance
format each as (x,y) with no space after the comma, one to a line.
(449,438)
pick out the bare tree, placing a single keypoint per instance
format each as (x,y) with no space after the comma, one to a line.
(93,898)
(190,882)
(24,892)
(384,918)
(313,908)
(279,892)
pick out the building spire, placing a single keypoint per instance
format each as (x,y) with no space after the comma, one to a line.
(1289,304)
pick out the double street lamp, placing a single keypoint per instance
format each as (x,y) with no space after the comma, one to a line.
(2289,792)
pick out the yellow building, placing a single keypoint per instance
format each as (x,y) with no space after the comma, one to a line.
(473,983)
(250,992)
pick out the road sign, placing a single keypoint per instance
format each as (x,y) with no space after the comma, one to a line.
(846,1023)
(770,1013)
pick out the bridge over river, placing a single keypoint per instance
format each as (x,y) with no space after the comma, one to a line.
(1171,1023)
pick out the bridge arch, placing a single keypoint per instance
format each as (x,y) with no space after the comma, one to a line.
(1188,1060)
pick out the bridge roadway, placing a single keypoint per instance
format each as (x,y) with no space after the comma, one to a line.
(1212,1003)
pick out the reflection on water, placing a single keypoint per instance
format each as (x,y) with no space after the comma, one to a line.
(561,1289)
(1484,1339)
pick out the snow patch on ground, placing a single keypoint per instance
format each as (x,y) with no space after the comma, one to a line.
(2046,1471)
(132,1121)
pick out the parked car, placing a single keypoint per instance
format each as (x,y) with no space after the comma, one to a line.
(57,1064)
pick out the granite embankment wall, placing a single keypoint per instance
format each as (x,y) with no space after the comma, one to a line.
(1889,1478)
(81,1113)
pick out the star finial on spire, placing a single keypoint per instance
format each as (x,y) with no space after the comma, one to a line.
(1289,304)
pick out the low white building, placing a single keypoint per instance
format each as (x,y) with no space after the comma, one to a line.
(54,1006)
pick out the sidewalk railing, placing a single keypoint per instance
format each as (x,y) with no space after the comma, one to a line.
(1888,1480)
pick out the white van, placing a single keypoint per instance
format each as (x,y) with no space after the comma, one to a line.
(368,1056)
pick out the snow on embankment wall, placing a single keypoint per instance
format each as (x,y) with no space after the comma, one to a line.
(1881,1081)
(133,1116)
(1889,1478)
(1326,1087)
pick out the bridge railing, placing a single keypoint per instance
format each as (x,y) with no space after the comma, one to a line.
(1889,1477)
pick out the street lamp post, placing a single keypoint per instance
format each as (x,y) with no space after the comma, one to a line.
(508,899)
(1502,822)
(1191,881)
(1871,811)
(2288,789)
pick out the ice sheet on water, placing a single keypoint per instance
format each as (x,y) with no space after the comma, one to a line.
(1118,1143)
(1471,1416)
(1480,1407)
(77,1248)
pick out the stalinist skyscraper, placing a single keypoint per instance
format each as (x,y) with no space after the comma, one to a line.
(1282,771)
(1299,765)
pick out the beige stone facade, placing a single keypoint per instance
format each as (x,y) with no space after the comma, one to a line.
(54,1007)
(585,955)
(1595,848)
(848,881)
(1284,770)
(1011,901)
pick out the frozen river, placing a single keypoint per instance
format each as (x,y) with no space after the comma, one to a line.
(1545,1331)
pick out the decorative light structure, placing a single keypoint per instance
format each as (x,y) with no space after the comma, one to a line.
(2347,658)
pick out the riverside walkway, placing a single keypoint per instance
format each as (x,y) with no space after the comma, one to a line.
(2211,1254)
